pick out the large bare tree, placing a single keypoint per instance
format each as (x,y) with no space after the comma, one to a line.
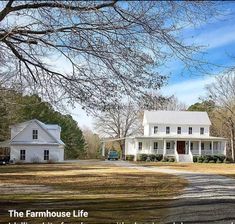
(222,93)
(109,48)
(119,122)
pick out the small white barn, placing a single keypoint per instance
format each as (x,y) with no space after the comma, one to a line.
(181,134)
(34,141)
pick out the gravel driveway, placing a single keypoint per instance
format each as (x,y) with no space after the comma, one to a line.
(208,198)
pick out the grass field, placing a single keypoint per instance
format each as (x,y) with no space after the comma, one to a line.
(107,192)
(211,168)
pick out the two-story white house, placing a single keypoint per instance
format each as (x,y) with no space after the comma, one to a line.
(181,134)
(34,141)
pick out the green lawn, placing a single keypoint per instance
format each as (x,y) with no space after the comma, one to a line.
(107,192)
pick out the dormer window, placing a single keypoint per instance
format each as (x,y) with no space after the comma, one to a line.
(202,131)
(190,130)
(167,130)
(155,129)
(35,134)
(179,130)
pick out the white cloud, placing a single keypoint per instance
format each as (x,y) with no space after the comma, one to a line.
(188,91)
(216,37)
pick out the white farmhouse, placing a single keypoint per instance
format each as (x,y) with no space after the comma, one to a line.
(34,141)
(181,134)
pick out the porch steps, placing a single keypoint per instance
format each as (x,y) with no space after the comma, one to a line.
(185,158)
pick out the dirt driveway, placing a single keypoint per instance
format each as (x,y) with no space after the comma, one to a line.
(208,198)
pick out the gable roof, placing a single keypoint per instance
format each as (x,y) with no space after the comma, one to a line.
(176,117)
(42,125)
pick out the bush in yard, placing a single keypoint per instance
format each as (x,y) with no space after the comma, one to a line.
(130,157)
(200,159)
(152,157)
(172,159)
(212,161)
(219,161)
(195,159)
(227,160)
(165,159)
(221,158)
(158,157)
(142,157)
(205,161)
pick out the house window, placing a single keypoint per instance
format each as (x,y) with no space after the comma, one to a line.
(155,145)
(191,145)
(190,130)
(155,129)
(22,154)
(202,131)
(167,130)
(46,154)
(202,146)
(35,134)
(168,145)
(140,145)
(179,130)
(210,146)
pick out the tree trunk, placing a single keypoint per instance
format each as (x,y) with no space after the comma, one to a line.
(122,146)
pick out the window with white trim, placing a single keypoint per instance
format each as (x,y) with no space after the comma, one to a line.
(35,134)
(168,145)
(202,130)
(22,154)
(46,154)
(202,146)
(155,145)
(190,130)
(140,145)
(179,130)
(168,130)
(155,129)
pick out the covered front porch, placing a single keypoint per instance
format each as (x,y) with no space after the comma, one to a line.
(182,146)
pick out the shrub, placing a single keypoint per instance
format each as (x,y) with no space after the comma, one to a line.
(221,158)
(158,157)
(212,161)
(227,160)
(205,161)
(200,159)
(130,157)
(152,157)
(172,159)
(195,159)
(142,157)
(218,161)
(165,159)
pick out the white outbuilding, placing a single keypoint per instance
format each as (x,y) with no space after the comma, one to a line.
(35,142)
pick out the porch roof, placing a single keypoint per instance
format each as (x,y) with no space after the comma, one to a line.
(176,137)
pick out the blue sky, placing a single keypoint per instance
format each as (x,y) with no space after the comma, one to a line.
(218,39)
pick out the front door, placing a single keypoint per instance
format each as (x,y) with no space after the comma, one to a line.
(181,147)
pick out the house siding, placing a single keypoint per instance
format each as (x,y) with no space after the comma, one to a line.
(36,153)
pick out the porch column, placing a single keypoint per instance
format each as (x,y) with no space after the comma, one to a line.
(225,148)
(164,147)
(150,146)
(189,146)
(212,147)
(103,149)
(200,147)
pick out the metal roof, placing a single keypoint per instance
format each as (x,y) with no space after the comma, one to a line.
(176,117)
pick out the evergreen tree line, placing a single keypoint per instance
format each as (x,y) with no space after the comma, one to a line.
(16,108)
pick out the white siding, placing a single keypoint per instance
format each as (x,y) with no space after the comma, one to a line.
(26,135)
(149,130)
(36,153)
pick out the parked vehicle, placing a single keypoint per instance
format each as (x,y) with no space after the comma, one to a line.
(4,160)
(113,155)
